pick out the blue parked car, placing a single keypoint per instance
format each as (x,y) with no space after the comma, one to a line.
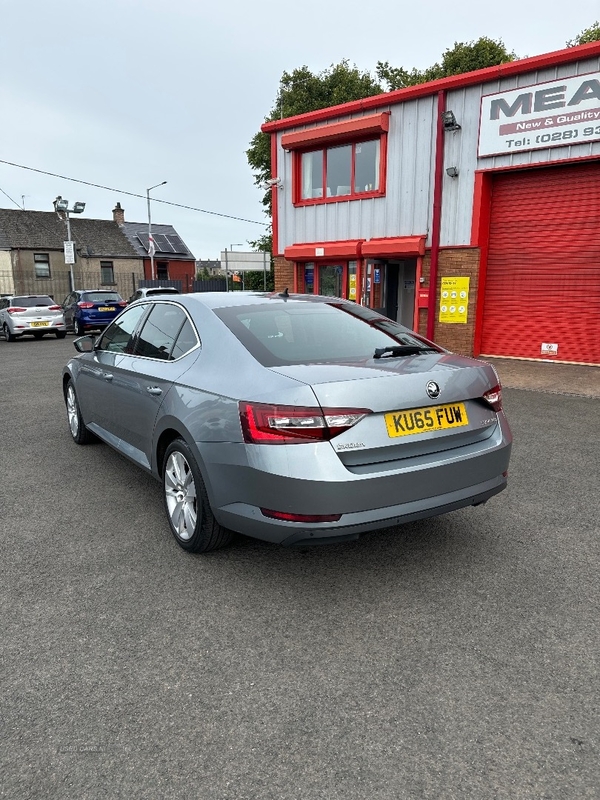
(91,309)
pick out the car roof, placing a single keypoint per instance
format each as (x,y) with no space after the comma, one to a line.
(216,300)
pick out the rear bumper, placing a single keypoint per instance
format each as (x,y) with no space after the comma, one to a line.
(350,526)
(22,330)
(313,481)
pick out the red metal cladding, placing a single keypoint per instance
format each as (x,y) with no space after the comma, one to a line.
(542,284)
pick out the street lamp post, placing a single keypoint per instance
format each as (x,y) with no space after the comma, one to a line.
(151,247)
(62,207)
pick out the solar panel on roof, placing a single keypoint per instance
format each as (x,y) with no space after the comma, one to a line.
(176,243)
(162,243)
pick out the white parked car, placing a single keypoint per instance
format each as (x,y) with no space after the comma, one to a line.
(32,314)
(150,291)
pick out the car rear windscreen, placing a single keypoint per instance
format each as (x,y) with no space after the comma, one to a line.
(31,302)
(102,297)
(314,333)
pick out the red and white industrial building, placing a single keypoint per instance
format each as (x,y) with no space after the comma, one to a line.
(466,208)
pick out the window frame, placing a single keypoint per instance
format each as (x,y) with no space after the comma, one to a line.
(46,261)
(107,265)
(324,148)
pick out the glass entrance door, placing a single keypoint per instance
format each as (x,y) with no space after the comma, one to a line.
(331,280)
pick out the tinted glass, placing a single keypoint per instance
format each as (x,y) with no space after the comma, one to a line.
(30,302)
(160,331)
(186,340)
(118,337)
(101,297)
(313,333)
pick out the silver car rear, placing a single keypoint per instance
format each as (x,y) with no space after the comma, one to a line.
(34,315)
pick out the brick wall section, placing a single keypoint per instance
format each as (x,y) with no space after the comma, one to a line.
(459,263)
(284,274)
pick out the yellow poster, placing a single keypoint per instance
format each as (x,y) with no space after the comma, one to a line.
(454,300)
(352,291)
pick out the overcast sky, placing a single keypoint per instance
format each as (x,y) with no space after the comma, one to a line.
(131,93)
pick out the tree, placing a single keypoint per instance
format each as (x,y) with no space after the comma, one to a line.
(301,91)
(463,57)
(591,34)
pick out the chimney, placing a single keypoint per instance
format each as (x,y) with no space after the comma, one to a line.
(118,214)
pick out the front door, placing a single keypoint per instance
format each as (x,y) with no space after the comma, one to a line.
(331,280)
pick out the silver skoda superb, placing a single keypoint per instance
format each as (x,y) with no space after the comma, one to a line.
(291,418)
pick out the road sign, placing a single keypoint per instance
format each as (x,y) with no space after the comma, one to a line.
(69,252)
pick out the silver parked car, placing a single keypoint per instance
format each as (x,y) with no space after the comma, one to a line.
(32,315)
(290,418)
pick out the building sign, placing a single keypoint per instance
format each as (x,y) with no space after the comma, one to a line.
(454,300)
(69,252)
(549,349)
(554,114)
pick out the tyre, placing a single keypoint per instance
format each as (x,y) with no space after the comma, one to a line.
(61,334)
(78,328)
(189,513)
(79,432)
(10,337)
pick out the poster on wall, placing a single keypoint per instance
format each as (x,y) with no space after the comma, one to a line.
(553,114)
(454,300)
(352,288)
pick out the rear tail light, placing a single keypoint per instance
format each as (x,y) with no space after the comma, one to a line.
(493,397)
(53,308)
(81,304)
(266,424)
(14,309)
(288,517)
(122,304)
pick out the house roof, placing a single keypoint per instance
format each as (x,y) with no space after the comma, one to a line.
(168,243)
(522,65)
(44,230)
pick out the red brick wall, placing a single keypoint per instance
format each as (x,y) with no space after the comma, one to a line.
(460,263)
(283,274)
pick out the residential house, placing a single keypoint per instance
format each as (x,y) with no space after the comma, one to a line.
(173,260)
(32,259)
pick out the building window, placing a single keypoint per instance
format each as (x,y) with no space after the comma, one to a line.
(107,273)
(42,265)
(162,270)
(342,172)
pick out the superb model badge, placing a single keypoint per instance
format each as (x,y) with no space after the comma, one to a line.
(432,389)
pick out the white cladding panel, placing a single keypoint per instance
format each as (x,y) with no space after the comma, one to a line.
(461,147)
(404,211)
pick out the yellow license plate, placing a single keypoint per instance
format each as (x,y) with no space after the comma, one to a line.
(106,308)
(38,324)
(420,420)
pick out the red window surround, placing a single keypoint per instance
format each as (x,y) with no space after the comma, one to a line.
(322,137)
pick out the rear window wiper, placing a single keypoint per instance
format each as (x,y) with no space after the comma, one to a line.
(402,350)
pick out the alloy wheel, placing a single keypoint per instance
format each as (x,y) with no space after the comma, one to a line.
(180,496)
(72,412)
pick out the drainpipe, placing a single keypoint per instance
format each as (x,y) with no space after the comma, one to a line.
(437,213)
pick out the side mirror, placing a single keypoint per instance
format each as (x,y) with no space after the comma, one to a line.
(85,344)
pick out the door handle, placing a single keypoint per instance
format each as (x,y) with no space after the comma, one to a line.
(153,390)
(108,376)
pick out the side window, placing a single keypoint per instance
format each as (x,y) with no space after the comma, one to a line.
(186,340)
(160,331)
(117,338)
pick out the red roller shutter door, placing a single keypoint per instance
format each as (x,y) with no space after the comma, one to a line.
(543,270)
